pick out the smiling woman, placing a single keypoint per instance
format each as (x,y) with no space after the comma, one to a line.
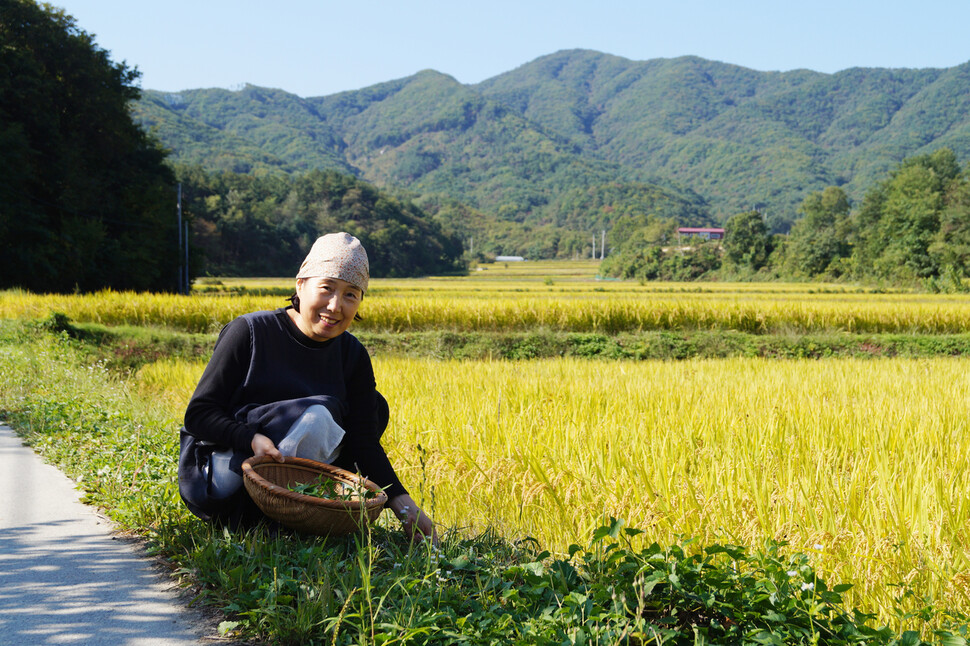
(275,374)
(323,308)
(329,287)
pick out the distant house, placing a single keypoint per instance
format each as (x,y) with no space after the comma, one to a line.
(509,259)
(705,233)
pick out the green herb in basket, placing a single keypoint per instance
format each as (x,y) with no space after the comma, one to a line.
(330,489)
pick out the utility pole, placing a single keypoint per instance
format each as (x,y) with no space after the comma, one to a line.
(188,287)
(603,246)
(178,209)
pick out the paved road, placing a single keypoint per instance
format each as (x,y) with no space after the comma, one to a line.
(66,578)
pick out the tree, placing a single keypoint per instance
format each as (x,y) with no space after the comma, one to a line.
(950,249)
(647,249)
(87,201)
(901,218)
(746,241)
(820,240)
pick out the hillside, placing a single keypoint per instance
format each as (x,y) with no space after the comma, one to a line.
(706,139)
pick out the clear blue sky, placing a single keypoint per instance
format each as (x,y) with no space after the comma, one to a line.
(320,47)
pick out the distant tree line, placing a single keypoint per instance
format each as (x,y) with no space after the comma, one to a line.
(580,214)
(912,228)
(249,225)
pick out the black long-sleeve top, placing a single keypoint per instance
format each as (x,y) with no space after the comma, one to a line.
(263,357)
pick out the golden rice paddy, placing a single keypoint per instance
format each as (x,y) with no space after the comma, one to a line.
(862,463)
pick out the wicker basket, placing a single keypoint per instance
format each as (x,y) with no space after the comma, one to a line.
(267,482)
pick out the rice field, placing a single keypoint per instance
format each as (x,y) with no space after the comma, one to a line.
(563,297)
(864,464)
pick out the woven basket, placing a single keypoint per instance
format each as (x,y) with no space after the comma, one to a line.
(267,482)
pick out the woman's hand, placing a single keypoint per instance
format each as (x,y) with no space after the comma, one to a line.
(262,445)
(415,523)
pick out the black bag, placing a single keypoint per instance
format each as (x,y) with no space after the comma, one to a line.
(209,491)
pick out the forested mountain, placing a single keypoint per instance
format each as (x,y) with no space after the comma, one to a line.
(702,139)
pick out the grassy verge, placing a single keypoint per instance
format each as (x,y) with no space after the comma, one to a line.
(663,345)
(129,347)
(374,588)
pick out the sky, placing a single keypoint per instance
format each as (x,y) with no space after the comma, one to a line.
(319,47)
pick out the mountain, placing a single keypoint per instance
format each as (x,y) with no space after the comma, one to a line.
(704,140)
(255,129)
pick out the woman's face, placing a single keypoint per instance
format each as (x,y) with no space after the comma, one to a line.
(327,307)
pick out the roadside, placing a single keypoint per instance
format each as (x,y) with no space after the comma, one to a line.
(66,577)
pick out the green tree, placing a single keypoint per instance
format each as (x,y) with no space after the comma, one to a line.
(746,241)
(87,201)
(950,249)
(900,219)
(648,248)
(820,239)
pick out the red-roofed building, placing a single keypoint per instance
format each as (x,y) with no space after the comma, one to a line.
(705,233)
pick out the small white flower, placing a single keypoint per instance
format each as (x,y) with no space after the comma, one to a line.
(808,586)
(819,546)
(791,573)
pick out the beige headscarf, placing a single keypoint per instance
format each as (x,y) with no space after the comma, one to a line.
(337,255)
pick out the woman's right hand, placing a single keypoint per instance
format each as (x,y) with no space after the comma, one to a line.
(415,523)
(262,445)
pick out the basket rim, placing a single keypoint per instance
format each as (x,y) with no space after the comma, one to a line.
(336,473)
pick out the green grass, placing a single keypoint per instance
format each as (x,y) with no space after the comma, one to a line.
(131,347)
(374,588)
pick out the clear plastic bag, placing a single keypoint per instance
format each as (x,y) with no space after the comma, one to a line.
(315,435)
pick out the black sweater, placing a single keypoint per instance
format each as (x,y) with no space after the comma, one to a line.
(263,357)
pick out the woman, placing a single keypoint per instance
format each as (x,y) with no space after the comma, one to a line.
(294,371)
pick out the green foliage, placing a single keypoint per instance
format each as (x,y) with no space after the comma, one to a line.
(913,228)
(901,219)
(950,249)
(603,206)
(330,489)
(666,345)
(643,257)
(249,225)
(85,199)
(746,241)
(254,130)
(819,242)
(428,134)
(126,349)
